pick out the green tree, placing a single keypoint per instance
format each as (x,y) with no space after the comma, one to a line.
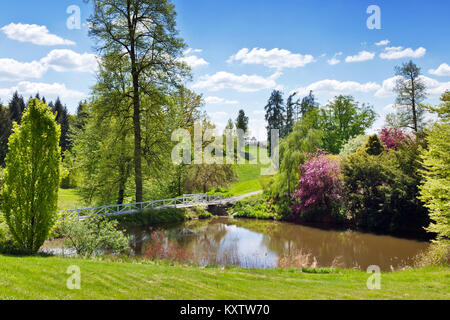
(308,104)
(5,132)
(353,145)
(290,109)
(16,107)
(306,137)
(411,91)
(373,146)
(204,177)
(144,33)
(435,190)
(275,113)
(32,177)
(342,119)
(62,117)
(242,121)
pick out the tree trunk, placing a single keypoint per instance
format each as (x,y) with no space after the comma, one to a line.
(137,135)
(413,102)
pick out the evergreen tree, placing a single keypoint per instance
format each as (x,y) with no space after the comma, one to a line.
(5,132)
(242,121)
(290,105)
(16,107)
(373,146)
(62,117)
(308,104)
(30,194)
(411,91)
(275,113)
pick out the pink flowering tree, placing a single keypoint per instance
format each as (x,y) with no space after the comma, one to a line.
(391,138)
(320,186)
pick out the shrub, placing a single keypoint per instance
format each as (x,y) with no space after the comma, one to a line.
(373,146)
(353,144)
(437,255)
(320,187)
(31,184)
(149,217)
(94,233)
(391,138)
(255,207)
(381,191)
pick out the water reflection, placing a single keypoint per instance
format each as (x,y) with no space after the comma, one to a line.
(268,244)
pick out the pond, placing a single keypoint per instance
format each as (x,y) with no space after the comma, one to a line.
(268,244)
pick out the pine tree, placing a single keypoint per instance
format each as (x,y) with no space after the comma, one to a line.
(411,92)
(62,117)
(16,107)
(242,121)
(308,104)
(275,113)
(290,105)
(5,132)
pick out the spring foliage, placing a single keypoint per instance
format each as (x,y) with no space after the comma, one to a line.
(320,184)
(32,177)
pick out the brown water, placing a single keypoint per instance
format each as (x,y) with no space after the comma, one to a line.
(267,244)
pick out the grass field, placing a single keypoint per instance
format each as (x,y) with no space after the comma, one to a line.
(68,199)
(45,278)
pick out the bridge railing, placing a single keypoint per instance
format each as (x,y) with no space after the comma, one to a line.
(112,210)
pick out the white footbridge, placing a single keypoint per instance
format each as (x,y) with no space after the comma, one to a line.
(188,200)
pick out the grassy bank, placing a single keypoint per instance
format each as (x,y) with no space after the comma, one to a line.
(45,278)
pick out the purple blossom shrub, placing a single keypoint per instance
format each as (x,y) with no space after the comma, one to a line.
(391,138)
(320,183)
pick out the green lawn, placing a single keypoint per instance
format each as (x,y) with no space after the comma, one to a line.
(45,278)
(68,199)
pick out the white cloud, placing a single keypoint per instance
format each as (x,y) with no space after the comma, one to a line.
(275,58)
(194,61)
(217,100)
(362,56)
(442,70)
(64,60)
(243,83)
(190,50)
(49,90)
(434,87)
(382,43)
(391,53)
(333,61)
(338,87)
(58,60)
(13,70)
(33,33)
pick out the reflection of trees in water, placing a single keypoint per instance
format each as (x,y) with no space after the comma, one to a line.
(205,239)
(339,248)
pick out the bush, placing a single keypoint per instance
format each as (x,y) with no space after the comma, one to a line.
(93,234)
(391,138)
(381,191)
(437,255)
(255,207)
(149,217)
(353,144)
(320,189)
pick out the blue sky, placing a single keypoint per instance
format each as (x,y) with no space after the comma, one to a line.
(242,50)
